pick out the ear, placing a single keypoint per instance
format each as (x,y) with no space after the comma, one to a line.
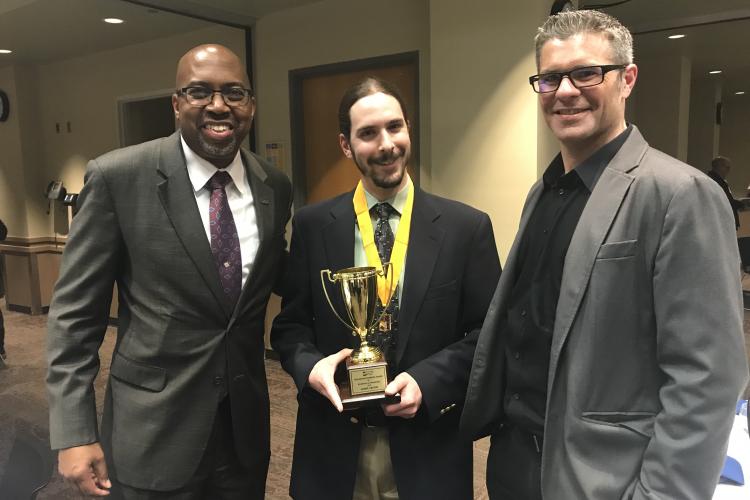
(176,106)
(629,76)
(345,146)
(252,105)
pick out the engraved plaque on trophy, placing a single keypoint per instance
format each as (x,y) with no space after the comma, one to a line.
(366,367)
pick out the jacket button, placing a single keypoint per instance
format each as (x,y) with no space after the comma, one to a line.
(517,355)
(516,396)
(354,420)
(218,380)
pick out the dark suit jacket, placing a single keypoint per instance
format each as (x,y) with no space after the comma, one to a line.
(179,341)
(647,357)
(451,269)
(735,204)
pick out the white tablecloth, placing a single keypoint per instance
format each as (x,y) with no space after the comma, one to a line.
(739,449)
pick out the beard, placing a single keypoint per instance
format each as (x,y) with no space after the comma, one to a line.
(370,169)
(215,150)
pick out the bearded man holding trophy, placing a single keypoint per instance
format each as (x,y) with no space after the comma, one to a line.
(389,286)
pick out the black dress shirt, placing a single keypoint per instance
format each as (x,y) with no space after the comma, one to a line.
(530,319)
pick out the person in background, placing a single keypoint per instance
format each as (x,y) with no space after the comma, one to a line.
(3,235)
(720,167)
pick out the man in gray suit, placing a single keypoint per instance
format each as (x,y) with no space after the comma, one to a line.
(611,357)
(191,229)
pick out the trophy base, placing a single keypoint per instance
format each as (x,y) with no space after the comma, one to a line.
(365,400)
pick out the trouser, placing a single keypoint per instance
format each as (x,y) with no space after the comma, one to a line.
(220,476)
(375,480)
(514,465)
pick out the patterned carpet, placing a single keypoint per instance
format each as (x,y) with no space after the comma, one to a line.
(23,407)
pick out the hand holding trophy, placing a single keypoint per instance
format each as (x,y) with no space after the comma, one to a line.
(366,367)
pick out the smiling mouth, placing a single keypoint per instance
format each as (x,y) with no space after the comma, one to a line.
(218,131)
(570,112)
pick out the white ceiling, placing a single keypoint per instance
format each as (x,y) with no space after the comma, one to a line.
(45,30)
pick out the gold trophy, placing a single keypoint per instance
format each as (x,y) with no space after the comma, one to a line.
(366,366)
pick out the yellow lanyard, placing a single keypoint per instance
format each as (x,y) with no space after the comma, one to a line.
(401,240)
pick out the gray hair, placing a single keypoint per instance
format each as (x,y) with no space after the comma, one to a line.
(573,22)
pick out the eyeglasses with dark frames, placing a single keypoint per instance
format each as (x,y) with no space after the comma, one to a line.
(580,77)
(202,96)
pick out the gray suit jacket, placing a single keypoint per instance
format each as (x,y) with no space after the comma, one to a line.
(647,358)
(180,345)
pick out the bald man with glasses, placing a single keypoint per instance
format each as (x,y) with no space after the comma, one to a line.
(612,356)
(191,228)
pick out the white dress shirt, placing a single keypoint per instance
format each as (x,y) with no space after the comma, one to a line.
(240,199)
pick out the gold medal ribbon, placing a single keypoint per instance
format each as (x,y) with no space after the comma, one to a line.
(400,243)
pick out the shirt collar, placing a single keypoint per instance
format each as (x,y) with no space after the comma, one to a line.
(591,169)
(201,170)
(397,202)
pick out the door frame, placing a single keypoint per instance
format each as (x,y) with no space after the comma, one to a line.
(123,101)
(296,112)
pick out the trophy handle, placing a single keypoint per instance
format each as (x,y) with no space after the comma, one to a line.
(387,272)
(327,274)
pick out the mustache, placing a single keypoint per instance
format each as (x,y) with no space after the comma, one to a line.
(388,157)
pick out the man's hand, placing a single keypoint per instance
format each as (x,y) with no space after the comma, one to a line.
(411,396)
(85,467)
(321,377)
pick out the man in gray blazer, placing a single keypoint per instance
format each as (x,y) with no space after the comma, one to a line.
(191,229)
(611,357)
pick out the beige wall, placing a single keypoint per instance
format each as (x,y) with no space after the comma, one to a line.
(488,139)
(329,32)
(12,178)
(661,102)
(735,141)
(706,92)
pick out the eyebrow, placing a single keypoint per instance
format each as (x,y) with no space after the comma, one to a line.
(200,83)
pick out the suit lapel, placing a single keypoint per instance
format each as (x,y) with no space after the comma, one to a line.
(338,234)
(592,229)
(263,201)
(338,243)
(176,195)
(425,239)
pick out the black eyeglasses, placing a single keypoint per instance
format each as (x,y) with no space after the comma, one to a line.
(579,77)
(202,96)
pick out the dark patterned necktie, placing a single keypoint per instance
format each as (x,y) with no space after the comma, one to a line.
(225,243)
(388,328)
(383,231)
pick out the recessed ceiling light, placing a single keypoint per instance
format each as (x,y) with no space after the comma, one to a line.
(113,20)
(714,72)
(741,92)
(5,51)
(675,37)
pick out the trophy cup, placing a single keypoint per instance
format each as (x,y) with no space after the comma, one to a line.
(366,366)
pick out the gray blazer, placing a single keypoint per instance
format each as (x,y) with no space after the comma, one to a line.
(647,358)
(180,345)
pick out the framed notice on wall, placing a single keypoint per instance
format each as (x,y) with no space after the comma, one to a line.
(275,154)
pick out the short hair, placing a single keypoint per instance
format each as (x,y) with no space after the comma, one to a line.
(566,24)
(368,86)
(719,161)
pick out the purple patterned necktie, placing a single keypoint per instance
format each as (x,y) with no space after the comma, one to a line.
(225,244)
